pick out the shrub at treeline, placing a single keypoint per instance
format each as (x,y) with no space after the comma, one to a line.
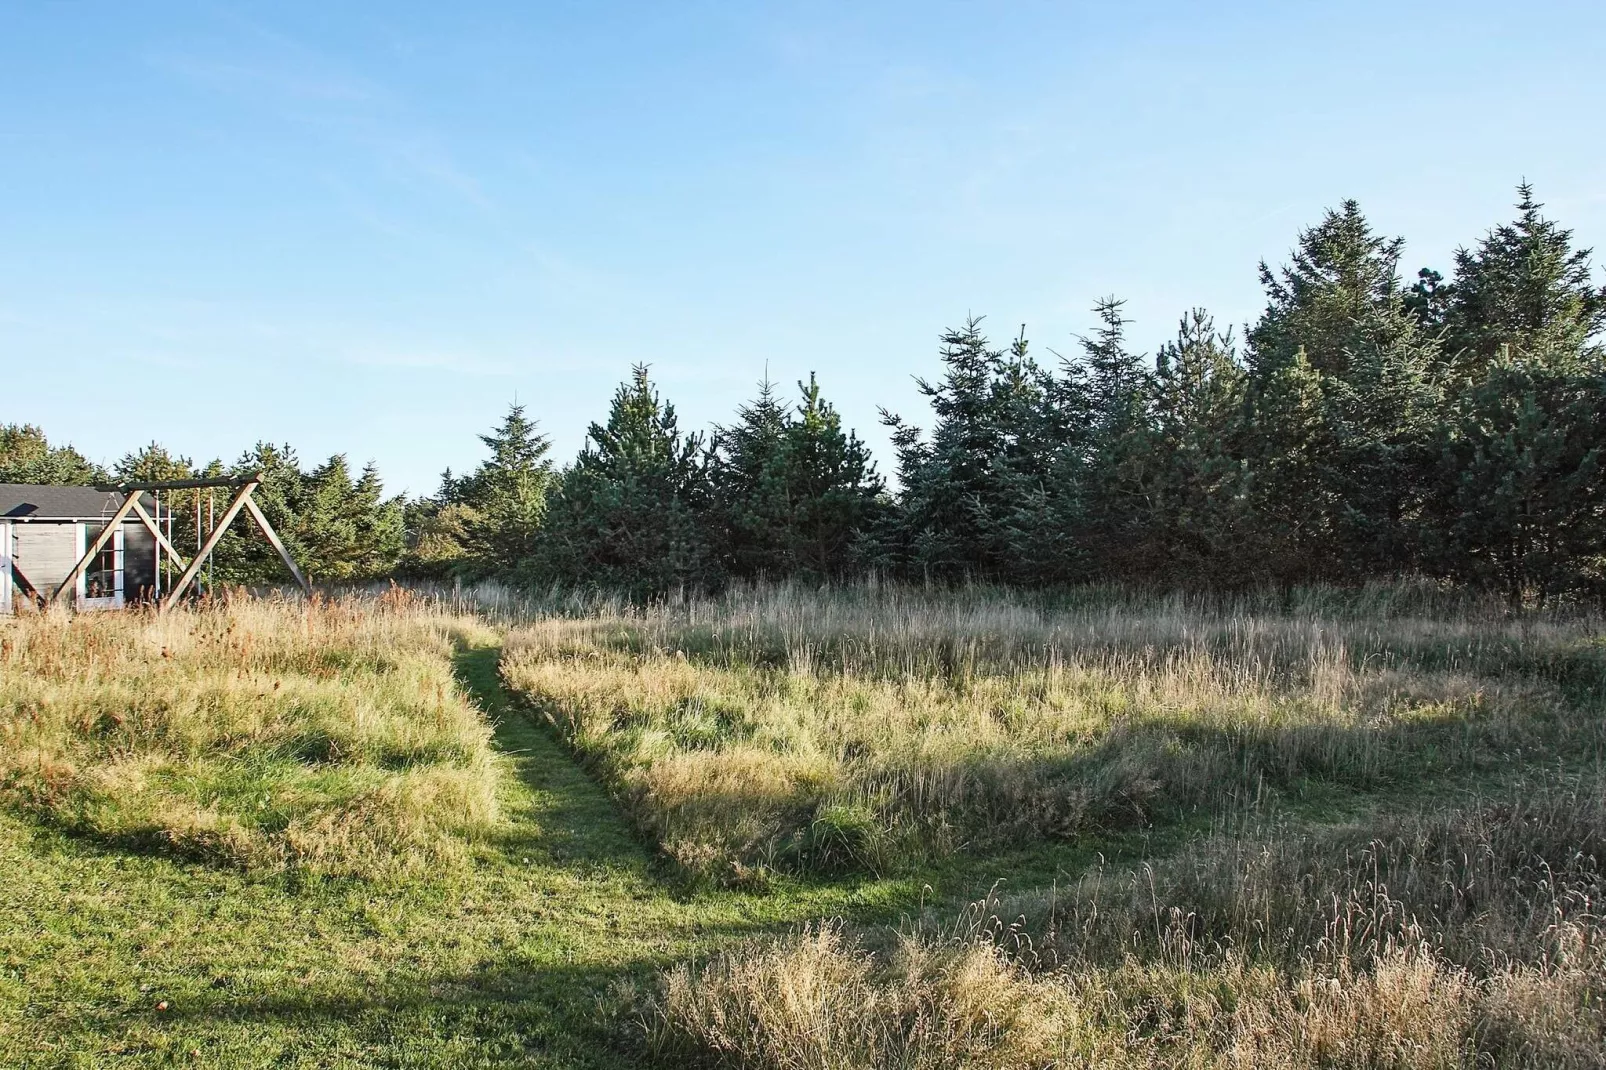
(1367,428)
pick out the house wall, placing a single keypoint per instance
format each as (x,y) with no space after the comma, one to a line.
(46,550)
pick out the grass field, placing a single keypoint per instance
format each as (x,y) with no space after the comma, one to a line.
(878,827)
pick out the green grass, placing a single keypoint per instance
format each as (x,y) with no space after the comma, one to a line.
(547,939)
(505,963)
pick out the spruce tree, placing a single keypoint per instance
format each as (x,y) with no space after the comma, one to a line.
(1347,376)
(1523,507)
(1199,505)
(961,507)
(630,513)
(837,498)
(1339,292)
(488,522)
(1525,287)
(244,556)
(346,529)
(1119,478)
(753,503)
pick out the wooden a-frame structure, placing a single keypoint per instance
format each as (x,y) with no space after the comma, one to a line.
(243,486)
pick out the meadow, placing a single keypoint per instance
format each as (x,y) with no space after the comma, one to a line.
(1344,830)
(789,828)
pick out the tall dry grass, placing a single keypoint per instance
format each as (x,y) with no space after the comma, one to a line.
(873,726)
(329,738)
(1468,937)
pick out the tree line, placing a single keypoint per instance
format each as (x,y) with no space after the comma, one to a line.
(1364,428)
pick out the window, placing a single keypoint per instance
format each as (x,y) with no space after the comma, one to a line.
(102,581)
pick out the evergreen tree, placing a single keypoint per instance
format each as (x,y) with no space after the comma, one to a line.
(243,556)
(1383,418)
(1199,507)
(507,493)
(488,522)
(1118,496)
(346,529)
(1286,452)
(1340,292)
(630,513)
(1429,300)
(1525,287)
(1523,508)
(153,463)
(795,493)
(1351,362)
(754,504)
(961,507)
(26,456)
(836,496)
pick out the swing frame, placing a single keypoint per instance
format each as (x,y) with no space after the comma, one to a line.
(243,486)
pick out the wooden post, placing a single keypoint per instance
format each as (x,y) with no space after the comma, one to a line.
(24,586)
(97,546)
(284,555)
(161,540)
(184,581)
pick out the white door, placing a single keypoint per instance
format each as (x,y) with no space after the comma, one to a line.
(100,585)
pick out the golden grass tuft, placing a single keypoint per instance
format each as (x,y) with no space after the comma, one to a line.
(1446,940)
(331,738)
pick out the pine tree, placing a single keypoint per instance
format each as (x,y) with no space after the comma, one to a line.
(1340,292)
(836,496)
(488,522)
(1523,507)
(1525,288)
(747,471)
(630,513)
(1199,511)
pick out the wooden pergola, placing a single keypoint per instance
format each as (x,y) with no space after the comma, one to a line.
(243,486)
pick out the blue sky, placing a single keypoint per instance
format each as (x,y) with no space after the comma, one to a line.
(367,228)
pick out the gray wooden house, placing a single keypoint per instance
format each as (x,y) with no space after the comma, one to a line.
(44,531)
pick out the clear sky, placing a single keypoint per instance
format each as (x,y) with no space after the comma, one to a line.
(365,228)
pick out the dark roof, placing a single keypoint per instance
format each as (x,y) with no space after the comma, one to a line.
(25,500)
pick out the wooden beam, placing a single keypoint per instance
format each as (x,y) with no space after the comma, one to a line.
(184,581)
(24,586)
(105,536)
(161,540)
(284,555)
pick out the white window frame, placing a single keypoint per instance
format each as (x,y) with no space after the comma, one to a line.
(5,566)
(115,599)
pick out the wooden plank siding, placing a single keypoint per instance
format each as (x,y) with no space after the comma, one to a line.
(45,551)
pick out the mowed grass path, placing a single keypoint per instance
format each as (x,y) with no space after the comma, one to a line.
(508,963)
